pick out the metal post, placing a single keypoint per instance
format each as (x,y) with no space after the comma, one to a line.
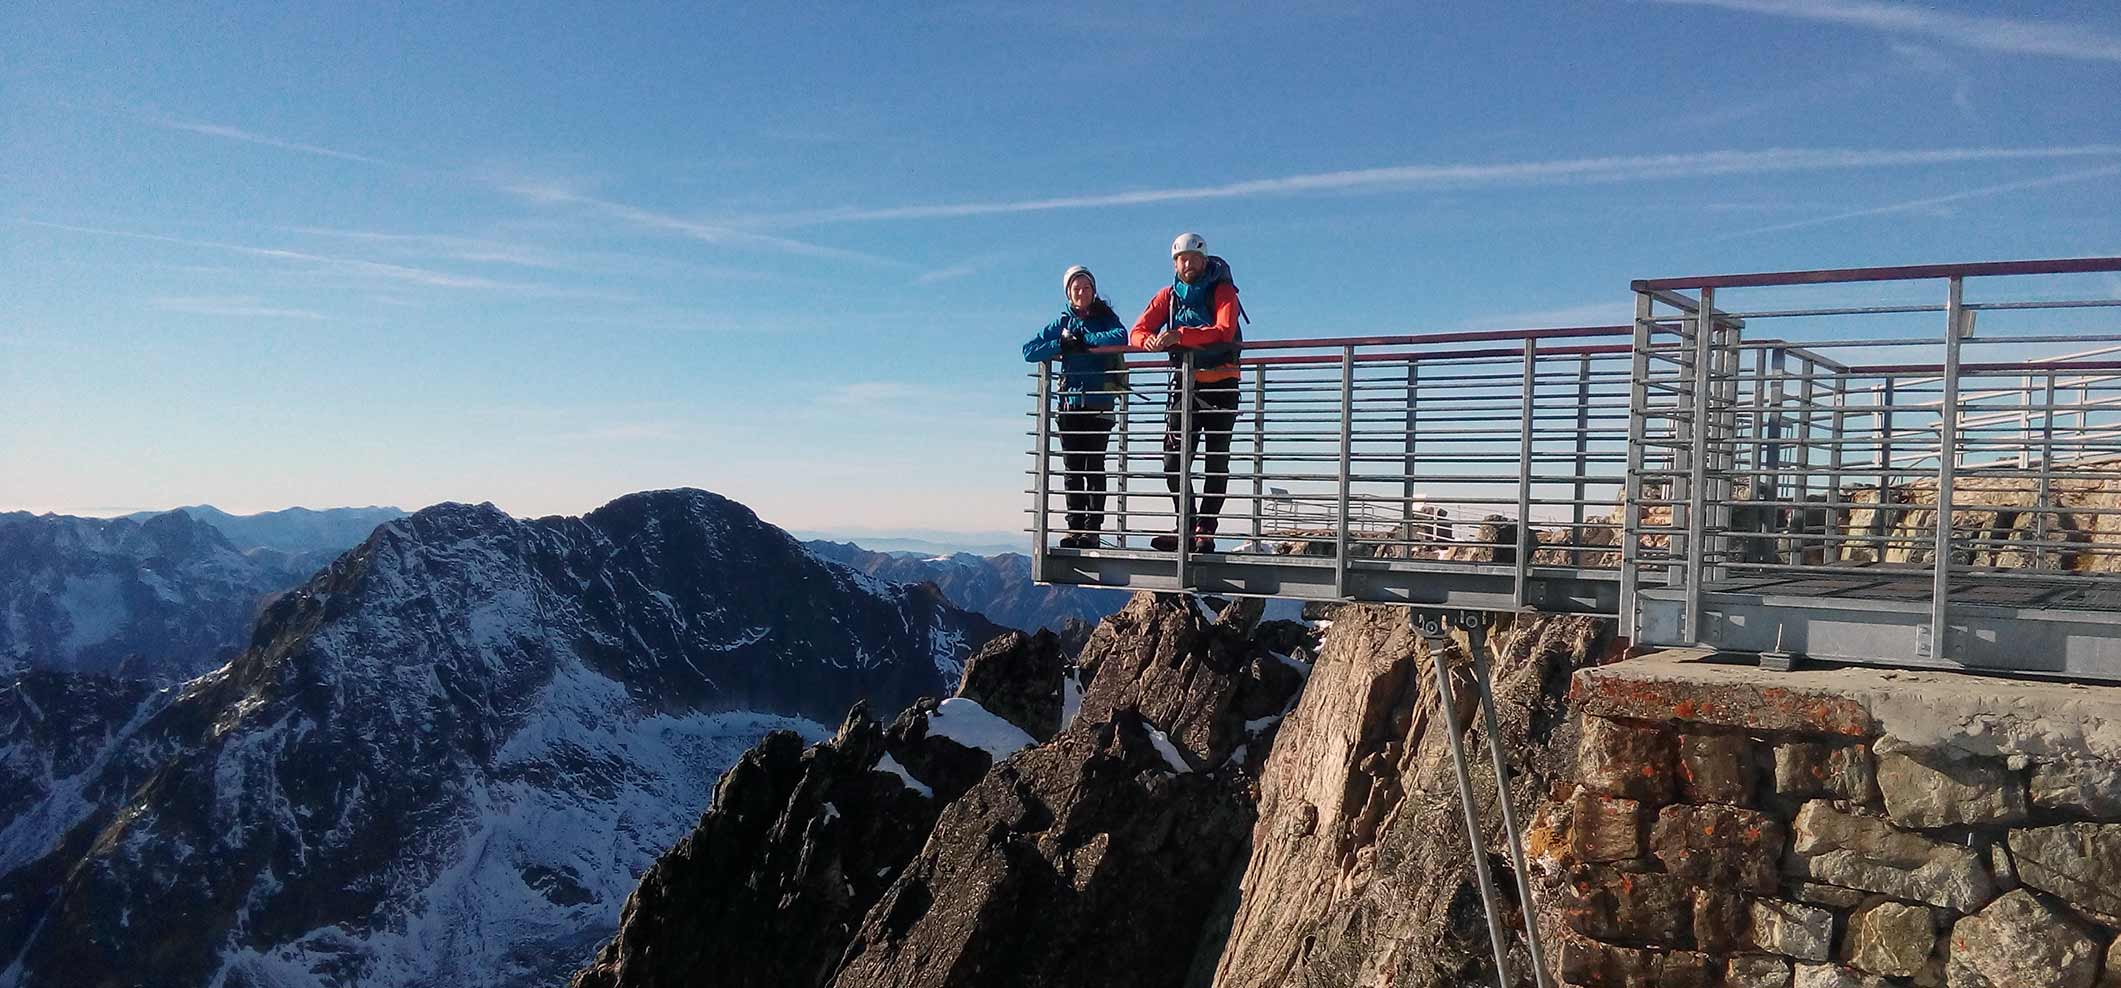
(1525,538)
(1347,450)
(1259,452)
(2043,503)
(1184,499)
(1697,481)
(1947,462)
(1807,397)
(1631,498)
(1883,522)
(1436,639)
(1406,483)
(1717,553)
(1042,482)
(1126,461)
(1838,433)
(1583,459)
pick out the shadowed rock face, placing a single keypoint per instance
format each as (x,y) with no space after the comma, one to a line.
(1099,856)
(771,884)
(1084,861)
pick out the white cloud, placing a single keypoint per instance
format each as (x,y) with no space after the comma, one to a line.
(2006,35)
(1932,204)
(226,132)
(947,274)
(242,306)
(1557,172)
(393,272)
(694,229)
(863,392)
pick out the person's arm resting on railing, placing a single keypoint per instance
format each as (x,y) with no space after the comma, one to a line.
(1151,324)
(1047,344)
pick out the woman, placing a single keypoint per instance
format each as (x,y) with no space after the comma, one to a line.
(1088,381)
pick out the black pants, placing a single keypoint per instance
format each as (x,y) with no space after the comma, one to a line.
(1084,436)
(1215,415)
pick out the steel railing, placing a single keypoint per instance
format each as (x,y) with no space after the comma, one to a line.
(1683,458)
(1489,449)
(1877,452)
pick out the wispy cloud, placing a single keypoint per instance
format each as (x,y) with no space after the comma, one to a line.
(393,272)
(693,229)
(239,306)
(1602,313)
(1635,168)
(1931,202)
(226,132)
(2007,35)
(864,392)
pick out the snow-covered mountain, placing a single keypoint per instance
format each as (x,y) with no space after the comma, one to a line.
(447,757)
(293,531)
(162,599)
(1000,587)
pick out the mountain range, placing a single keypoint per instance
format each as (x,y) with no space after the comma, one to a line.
(442,759)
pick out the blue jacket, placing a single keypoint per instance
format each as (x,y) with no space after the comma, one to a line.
(1087,379)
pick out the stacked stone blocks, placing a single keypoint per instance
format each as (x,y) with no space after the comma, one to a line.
(1768,845)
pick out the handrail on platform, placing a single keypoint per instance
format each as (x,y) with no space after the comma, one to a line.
(1646,470)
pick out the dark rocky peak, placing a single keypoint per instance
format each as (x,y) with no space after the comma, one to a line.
(1041,829)
(1209,682)
(772,883)
(1087,860)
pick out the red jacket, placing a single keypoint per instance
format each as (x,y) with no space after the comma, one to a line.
(1158,313)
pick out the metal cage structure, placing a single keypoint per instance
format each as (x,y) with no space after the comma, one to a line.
(1878,482)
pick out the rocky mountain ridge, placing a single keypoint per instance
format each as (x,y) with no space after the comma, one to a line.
(445,758)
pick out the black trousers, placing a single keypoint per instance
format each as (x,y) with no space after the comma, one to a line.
(1084,436)
(1214,415)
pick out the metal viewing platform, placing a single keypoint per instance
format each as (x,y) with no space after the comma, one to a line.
(1699,479)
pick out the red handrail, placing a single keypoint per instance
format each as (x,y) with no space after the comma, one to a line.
(1829,276)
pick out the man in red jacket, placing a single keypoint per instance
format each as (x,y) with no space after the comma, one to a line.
(1197,313)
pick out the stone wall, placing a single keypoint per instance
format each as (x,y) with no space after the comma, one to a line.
(1728,825)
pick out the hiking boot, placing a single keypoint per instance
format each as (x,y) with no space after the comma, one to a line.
(1202,544)
(1164,543)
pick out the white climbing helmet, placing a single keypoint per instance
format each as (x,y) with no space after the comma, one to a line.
(1069,276)
(1188,243)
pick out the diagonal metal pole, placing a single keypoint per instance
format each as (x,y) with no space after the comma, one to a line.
(1476,628)
(1436,631)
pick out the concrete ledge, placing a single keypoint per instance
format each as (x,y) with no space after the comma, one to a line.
(1902,709)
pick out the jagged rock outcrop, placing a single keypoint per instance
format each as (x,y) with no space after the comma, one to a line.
(1099,856)
(1088,861)
(1359,871)
(770,885)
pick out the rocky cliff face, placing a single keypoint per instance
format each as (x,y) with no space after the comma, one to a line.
(1360,871)
(445,758)
(1192,821)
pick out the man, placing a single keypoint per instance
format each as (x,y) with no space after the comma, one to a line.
(1198,313)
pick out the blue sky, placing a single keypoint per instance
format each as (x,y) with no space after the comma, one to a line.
(332,254)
